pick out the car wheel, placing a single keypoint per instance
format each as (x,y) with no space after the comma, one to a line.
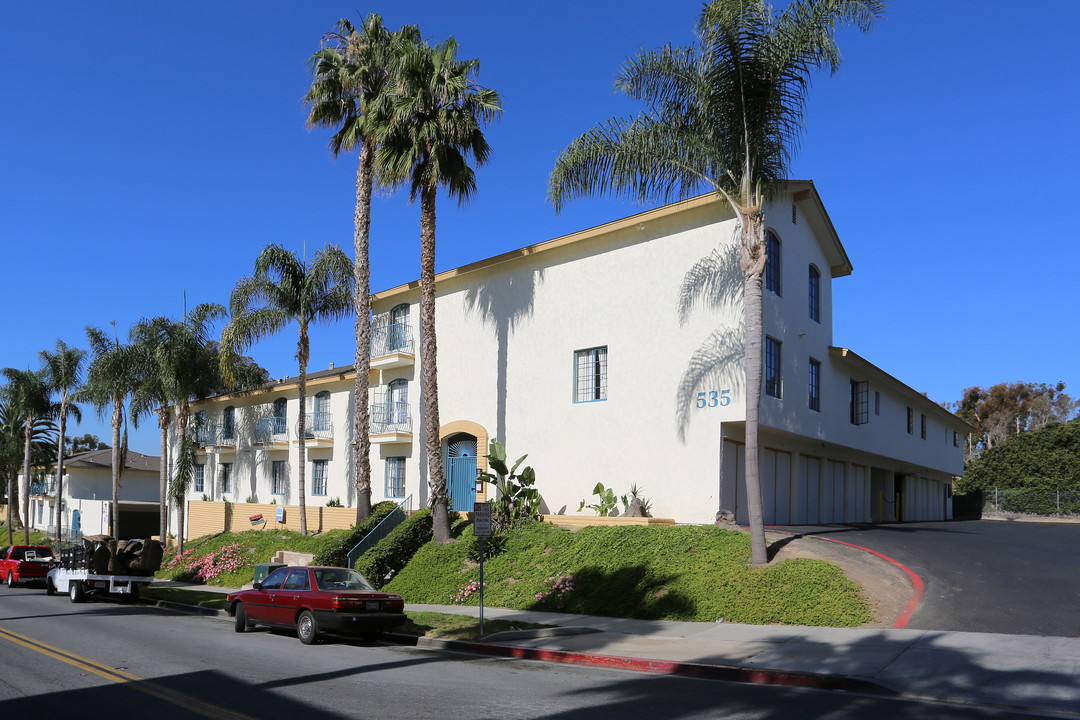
(241,623)
(75,592)
(11,580)
(50,589)
(307,629)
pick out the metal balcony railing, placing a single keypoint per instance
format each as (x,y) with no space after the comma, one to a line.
(219,435)
(43,487)
(318,425)
(391,338)
(271,429)
(390,417)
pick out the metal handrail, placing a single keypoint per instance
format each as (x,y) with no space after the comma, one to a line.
(394,518)
(390,417)
(391,338)
(270,429)
(317,425)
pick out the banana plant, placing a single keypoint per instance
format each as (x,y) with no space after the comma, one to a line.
(518,500)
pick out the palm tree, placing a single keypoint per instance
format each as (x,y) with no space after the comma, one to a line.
(284,289)
(111,379)
(63,370)
(30,393)
(12,437)
(437,124)
(351,73)
(726,114)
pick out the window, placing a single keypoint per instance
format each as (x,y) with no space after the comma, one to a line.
(772,367)
(399,327)
(297,580)
(318,477)
(590,375)
(395,477)
(226,477)
(877,403)
(910,422)
(955,439)
(922,426)
(199,474)
(815,385)
(772,263)
(281,416)
(274,580)
(399,401)
(815,294)
(860,402)
(278,480)
(229,423)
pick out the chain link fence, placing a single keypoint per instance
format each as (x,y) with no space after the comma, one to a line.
(1024,501)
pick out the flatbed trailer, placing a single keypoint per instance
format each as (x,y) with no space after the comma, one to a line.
(85,569)
(77,584)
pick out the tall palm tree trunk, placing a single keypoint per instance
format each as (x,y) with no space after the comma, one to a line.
(60,473)
(28,431)
(117,421)
(753,263)
(362,295)
(12,506)
(180,500)
(302,356)
(163,476)
(436,477)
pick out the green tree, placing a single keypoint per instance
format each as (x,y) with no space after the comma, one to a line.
(437,126)
(84,443)
(725,114)
(351,73)
(63,375)
(111,379)
(1008,409)
(12,450)
(284,289)
(30,394)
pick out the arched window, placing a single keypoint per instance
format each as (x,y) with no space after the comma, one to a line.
(399,401)
(815,294)
(228,423)
(399,326)
(772,262)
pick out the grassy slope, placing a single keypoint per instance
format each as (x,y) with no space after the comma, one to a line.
(676,573)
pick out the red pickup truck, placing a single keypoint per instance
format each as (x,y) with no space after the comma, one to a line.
(26,563)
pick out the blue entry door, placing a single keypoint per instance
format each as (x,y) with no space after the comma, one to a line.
(460,464)
(76,523)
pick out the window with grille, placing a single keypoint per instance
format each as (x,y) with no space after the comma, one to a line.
(860,402)
(395,477)
(815,294)
(277,478)
(772,367)
(318,477)
(199,483)
(772,263)
(590,375)
(815,385)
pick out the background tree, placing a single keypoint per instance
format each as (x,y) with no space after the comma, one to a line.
(437,125)
(727,115)
(12,438)
(111,379)
(284,289)
(63,376)
(30,394)
(350,77)
(1007,409)
(83,443)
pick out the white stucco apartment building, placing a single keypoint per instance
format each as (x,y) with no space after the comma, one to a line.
(574,351)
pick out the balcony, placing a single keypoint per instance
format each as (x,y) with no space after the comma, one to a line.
(43,488)
(390,423)
(218,437)
(392,346)
(272,433)
(318,430)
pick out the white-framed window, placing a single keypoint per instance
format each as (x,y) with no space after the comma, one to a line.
(772,276)
(815,385)
(815,294)
(198,480)
(860,402)
(226,478)
(395,477)
(278,479)
(773,380)
(590,374)
(318,476)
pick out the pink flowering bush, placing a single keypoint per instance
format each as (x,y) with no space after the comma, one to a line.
(465,591)
(207,567)
(554,597)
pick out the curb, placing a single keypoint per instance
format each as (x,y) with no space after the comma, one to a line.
(184,608)
(728,673)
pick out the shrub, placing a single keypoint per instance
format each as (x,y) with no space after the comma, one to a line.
(1044,459)
(396,549)
(493,546)
(337,554)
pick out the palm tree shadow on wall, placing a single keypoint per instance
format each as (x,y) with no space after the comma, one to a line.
(503,302)
(715,284)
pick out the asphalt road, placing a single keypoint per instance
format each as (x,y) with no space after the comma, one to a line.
(102,660)
(987,576)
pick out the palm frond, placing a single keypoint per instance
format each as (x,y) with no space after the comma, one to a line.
(717,363)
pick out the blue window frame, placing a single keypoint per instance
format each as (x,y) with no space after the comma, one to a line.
(278,480)
(815,385)
(772,263)
(590,375)
(395,477)
(199,484)
(318,476)
(772,367)
(228,423)
(815,294)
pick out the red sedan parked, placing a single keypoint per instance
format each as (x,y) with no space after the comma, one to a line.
(314,600)
(26,563)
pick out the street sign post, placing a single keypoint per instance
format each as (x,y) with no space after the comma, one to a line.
(481,529)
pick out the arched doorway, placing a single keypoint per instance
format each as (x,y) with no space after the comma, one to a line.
(459,459)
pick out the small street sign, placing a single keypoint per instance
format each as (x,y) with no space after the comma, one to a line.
(481,519)
(281,513)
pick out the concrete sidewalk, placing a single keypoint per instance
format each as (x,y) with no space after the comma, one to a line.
(1006,670)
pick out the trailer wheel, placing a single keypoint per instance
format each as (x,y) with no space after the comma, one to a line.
(50,589)
(11,580)
(75,592)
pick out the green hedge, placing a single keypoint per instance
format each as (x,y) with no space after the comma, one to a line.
(1045,459)
(337,555)
(396,549)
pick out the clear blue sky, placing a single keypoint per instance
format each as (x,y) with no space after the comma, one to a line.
(148,149)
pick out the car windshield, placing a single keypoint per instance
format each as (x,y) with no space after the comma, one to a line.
(341,579)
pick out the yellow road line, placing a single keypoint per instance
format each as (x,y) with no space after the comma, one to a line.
(180,699)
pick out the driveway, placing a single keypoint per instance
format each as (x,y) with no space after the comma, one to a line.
(982,575)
